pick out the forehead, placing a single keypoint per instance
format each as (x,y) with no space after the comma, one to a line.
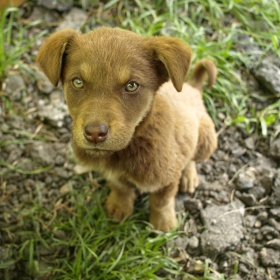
(108,50)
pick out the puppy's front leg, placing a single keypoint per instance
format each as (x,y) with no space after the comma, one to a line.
(162,208)
(120,202)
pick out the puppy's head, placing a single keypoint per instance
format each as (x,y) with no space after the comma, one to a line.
(109,77)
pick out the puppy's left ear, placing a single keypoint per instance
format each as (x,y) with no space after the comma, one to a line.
(174,54)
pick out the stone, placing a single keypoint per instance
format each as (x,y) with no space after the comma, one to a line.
(247,198)
(268,75)
(270,257)
(43,83)
(250,220)
(14,85)
(59,5)
(192,205)
(42,14)
(275,147)
(250,143)
(42,153)
(193,242)
(274,224)
(258,192)
(274,244)
(52,112)
(75,19)
(269,232)
(224,227)
(245,180)
(66,188)
(275,212)
(62,173)
(266,182)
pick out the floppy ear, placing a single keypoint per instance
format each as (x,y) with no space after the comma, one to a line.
(175,55)
(50,54)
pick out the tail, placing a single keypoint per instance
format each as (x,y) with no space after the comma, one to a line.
(204,67)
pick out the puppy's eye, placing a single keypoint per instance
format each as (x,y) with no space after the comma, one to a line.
(131,87)
(77,83)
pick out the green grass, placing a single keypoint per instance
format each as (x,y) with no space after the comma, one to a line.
(72,239)
(14,41)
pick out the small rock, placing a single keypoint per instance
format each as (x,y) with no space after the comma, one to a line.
(250,143)
(274,224)
(270,257)
(267,182)
(43,83)
(224,228)
(59,5)
(75,19)
(275,212)
(268,74)
(53,113)
(258,192)
(258,224)
(275,147)
(269,232)
(66,188)
(274,244)
(43,14)
(192,205)
(181,242)
(193,242)
(250,220)
(14,84)
(43,153)
(247,198)
(262,216)
(62,173)
(245,180)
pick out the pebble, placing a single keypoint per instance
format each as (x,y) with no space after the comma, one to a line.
(275,149)
(274,224)
(245,180)
(75,19)
(59,5)
(262,216)
(62,172)
(258,192)
(14,85)
(43,153)
(268,74)
(224,227)
(247,198)
(193,242)
(274,244)
(270,257)
(275,212)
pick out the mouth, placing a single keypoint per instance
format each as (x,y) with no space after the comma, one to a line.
(99,152)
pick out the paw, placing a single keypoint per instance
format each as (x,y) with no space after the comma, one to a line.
(164,221)
(189,179)
(118,209)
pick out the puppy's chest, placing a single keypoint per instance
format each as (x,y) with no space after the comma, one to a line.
(129,173)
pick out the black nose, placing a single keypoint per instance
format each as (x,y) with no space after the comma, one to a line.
(96,132)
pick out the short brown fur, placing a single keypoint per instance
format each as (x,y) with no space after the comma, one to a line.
(154,135)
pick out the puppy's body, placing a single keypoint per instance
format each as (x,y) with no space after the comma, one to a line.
(129,123)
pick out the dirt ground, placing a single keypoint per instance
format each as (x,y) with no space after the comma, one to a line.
(234,216)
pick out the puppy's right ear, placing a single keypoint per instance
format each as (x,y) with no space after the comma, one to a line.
(50,54)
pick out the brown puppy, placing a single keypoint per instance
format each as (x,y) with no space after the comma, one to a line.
(129,123)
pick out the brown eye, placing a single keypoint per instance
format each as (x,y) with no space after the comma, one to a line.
(131,87)
(77,83)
